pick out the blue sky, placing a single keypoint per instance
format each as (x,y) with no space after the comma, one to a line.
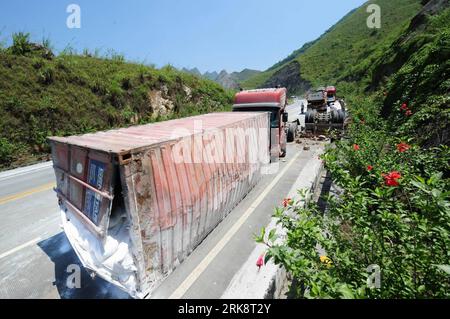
(208,34)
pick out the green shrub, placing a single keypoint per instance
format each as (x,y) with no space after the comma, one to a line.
(68,51)
(126,83)
(393,212)
(47,75)
(98,87)
(115,56)
(115,93)
(47,44)
(38,63)
(7,151)
(21,43)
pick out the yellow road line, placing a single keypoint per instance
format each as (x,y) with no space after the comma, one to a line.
(29,192)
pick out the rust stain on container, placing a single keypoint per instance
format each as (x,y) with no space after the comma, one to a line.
(172,199)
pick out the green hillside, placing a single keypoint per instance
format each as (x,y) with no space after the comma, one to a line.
(334,55)
(407,60)
(244,75)
(42,95)
(415,70)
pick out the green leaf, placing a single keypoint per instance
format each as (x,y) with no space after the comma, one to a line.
(420,179)
(272,235)
(346,292)
(436,193)
(445,268)
(260,239)
(433,179)
(418,185)
(267,257)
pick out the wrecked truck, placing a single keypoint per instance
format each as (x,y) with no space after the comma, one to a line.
(136,201)
(274,101)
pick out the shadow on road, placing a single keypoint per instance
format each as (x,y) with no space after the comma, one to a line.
(324,192)
(59,250)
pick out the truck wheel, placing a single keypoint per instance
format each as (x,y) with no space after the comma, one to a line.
(334,117)
(291,132)
(341,116)
(309,116)
(337,117)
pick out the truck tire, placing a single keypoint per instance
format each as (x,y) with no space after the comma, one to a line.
(309,116)
(341,116)
(291,132)
(334,116)
(337,117)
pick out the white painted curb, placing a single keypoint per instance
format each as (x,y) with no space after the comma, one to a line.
(24,170)
(266,283)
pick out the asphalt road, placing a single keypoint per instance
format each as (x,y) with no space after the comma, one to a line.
(35,254)
(295,108)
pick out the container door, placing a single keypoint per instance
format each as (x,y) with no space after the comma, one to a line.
(85,184)
(99,175)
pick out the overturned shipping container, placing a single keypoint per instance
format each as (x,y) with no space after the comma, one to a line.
(136,201)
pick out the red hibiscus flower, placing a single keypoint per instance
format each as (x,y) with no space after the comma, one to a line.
(392,178)
(260,261)
(408,113)
(286,202)
(369,167)
(403,147)
(356,147)
(404,107)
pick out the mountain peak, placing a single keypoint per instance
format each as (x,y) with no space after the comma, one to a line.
(227,80)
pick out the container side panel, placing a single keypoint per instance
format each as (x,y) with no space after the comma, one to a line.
(180,149)
(176,210)
(164,206)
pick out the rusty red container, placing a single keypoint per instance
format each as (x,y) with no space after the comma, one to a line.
(170,183)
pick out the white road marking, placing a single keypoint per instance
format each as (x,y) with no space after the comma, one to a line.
(195,274)
(16,249)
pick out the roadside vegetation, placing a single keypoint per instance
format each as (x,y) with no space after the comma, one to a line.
(393,211)
(42,95)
